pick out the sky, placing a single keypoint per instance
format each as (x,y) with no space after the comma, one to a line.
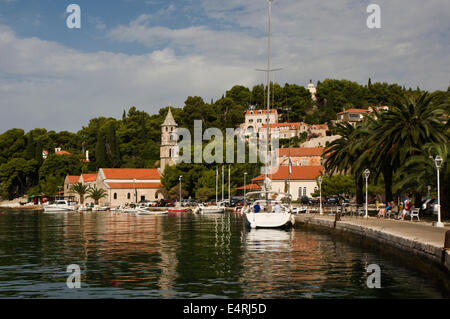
(149,53)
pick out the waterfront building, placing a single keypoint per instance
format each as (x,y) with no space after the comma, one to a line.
(290,130)
(129,185)
(302,180)
(300,156)
(169,142)
(68,182)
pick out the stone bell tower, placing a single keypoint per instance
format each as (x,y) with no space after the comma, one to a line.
(169,151)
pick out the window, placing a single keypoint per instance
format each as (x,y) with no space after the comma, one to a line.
(315,189)
(142,198)
(250,121)
(259,121)
(299,192)
(170,152)
(156,196)
(128,196)
(304,191)
(115,195)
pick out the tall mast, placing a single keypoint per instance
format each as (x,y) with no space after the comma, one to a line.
(268,85)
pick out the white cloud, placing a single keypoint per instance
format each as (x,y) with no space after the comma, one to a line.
(46,84)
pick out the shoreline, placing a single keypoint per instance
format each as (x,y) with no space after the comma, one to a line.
(418,239)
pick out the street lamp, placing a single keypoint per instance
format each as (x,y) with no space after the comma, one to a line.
(319,179)
(366,174)
(438,163)
(181,176)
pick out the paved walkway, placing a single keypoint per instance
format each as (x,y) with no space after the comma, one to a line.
(419,238)
(419,231)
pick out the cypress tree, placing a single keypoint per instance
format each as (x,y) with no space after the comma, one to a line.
(100,151)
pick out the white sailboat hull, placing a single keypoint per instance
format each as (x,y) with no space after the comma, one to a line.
(212,210)
(269,220)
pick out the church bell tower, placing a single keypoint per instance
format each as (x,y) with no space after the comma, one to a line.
(169,137)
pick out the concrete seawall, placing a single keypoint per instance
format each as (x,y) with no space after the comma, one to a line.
(419,239)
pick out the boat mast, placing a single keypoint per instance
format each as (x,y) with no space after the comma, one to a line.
(217,182)
(268,95)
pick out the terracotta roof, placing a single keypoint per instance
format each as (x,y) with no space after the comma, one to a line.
(256,112)
(89,177)
(301,151)
(298,173)
(133,185)
(45,152)
(62,153)
(354,111)
(249,187)
(291,125)
(131,173)
(73,179)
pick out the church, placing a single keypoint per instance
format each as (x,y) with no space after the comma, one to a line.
(125,185)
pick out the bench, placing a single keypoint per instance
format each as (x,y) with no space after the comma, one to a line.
(414,213)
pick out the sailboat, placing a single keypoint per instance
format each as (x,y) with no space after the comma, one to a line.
(268,209)
(219,208)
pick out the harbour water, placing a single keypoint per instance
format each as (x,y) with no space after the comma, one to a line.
(189,256)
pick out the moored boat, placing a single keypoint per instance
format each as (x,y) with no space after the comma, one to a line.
(59,206)
(268,211)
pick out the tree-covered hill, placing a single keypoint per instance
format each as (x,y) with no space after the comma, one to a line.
(133,140)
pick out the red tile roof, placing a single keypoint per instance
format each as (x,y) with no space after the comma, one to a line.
(291,125)
(89,177)
(249,187)
(73,179)
(256,112)
(301,151)
(298,173)
(134,185)
(131,173)
(354,111)
(62,153)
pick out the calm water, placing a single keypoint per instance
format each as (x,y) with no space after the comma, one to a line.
(187,256)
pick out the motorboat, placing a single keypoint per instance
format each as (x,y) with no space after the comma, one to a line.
(152,212)
(99,208)
(213,209)
(275,210)
(59,206)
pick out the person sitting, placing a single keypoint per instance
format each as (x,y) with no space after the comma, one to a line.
(406,211)
(382,212)
(277,208)
(389,208)
(256,208)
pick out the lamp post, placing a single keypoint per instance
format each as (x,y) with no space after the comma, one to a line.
(181,176)
(319,179)
(245,175)
(438,163)
(366,174)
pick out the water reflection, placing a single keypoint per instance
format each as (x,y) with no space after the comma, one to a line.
(186,256)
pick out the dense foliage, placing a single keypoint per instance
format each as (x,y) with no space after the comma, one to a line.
(133,140)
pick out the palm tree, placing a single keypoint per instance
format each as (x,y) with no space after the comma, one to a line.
(96,194)
(342,153)
(81,190)
(399,133)
(419,172)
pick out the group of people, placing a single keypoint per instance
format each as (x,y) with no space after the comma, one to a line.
(404,209)
(276,208)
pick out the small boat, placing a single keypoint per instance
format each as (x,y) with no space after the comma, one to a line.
(59,206)
(99,208)
(213,209)
(267,217)
(84,208)
(154,212)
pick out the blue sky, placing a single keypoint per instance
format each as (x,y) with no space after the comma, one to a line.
(150,53)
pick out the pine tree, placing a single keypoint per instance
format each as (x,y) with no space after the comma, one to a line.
(30,148)
(369,84)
